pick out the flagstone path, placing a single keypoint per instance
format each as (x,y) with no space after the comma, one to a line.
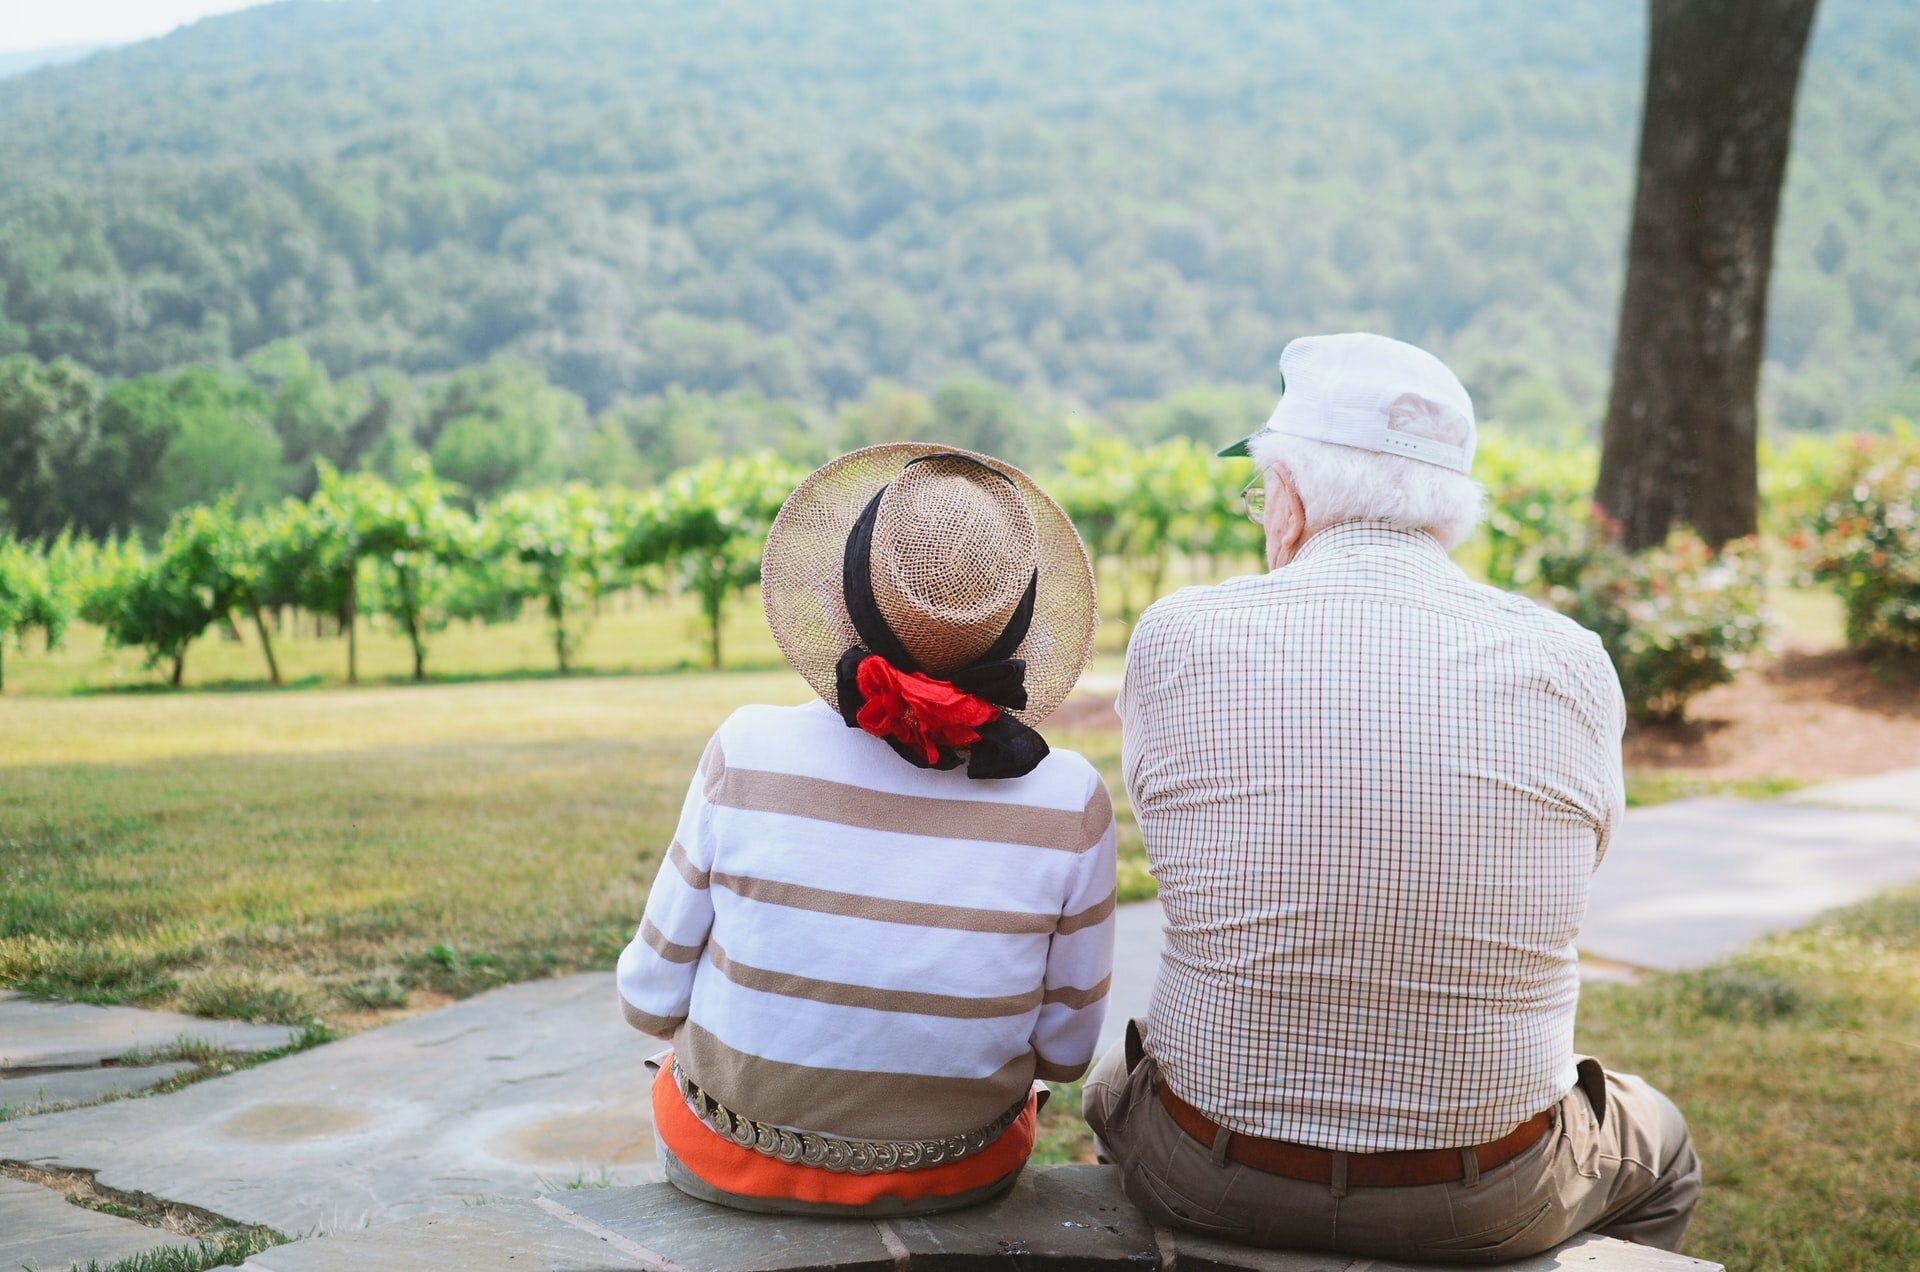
(532,1088)
(40,1231)
(37,1035)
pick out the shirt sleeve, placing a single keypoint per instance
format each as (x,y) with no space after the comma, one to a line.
(1613,778)
(1080,956)
(656,970)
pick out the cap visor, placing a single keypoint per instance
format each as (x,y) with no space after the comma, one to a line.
(1238,450)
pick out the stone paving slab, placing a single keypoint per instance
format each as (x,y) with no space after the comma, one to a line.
(1889,792)
(1057,1217)
(37,1035)
(677,1229)
(25,1092)
(518,1090)
(41,1231)
(505,1236)
(1692,881)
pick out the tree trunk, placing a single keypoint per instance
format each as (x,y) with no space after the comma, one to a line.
(411,604)
(714,600)
(353,626)
(179,668)
(557,615)
(1681,439)
(266,644)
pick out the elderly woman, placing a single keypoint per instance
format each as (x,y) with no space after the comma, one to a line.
(887,912)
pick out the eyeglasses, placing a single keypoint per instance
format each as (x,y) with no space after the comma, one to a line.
(1253,497)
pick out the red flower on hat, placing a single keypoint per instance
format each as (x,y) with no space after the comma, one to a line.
(917,710)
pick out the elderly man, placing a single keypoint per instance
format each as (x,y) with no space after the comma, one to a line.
(1373,793)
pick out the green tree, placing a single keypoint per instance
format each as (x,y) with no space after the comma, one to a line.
(886,412)
(568,543)
(713,520)
(309,413)
(30,597)
(219,442)
(49,444)
(494,428)
(197,577)
(414,537)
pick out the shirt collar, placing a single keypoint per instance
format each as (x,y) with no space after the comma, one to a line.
(1343,539)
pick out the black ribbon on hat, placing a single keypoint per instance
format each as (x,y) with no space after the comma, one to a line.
(1006,747)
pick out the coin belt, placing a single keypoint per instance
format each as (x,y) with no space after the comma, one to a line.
(829,1152)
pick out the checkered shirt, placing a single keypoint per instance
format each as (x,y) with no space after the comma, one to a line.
(1373,793)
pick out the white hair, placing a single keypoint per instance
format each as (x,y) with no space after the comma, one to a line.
(1346,483)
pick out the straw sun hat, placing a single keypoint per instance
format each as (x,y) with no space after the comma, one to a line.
(934,597)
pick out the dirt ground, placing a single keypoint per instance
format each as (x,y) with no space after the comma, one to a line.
(1808,715)
(1814,716)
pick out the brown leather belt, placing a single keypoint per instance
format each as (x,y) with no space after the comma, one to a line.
(1364,1170)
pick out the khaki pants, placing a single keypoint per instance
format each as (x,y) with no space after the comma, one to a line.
(1617,1160)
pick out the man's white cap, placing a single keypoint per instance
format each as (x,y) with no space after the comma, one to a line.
(1363,390)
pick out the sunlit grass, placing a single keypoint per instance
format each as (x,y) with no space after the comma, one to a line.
(293,855)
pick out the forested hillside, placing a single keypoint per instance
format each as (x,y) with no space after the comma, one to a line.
(1095,202)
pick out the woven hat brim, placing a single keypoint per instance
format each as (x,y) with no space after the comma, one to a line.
(801,586)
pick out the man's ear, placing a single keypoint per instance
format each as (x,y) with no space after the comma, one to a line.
(1285,535)
(1298,534)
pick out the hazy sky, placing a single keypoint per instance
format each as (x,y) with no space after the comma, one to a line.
(39,24)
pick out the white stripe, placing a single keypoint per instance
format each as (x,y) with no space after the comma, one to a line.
(926,867)
(829,947)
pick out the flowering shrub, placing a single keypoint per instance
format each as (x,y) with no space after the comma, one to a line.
(1534,493)
(1866,540)
(1676,619)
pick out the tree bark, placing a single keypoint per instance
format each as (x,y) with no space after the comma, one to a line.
(179,668)
(557,616)
(1681,438)
(266,644)
(353,626)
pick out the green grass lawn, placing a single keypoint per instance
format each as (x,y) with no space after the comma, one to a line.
(297,855)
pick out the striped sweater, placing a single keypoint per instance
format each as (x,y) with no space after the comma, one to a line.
(843,943)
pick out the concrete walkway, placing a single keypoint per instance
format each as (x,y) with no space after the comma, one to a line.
(536,1087)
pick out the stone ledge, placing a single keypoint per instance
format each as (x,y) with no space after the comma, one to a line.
(1060,1218)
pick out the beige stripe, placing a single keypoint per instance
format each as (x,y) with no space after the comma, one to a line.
(961,918)
(666,949)
(1089,917)
(647,1022)
(849,1102)
(911,1001)
(1078,998)
(695,877)
(713,767)
(1098,817)
(764,791)
(1047,1071)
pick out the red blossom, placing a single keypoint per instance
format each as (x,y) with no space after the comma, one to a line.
(917,710)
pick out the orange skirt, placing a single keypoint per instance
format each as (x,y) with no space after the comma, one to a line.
(724,1165)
